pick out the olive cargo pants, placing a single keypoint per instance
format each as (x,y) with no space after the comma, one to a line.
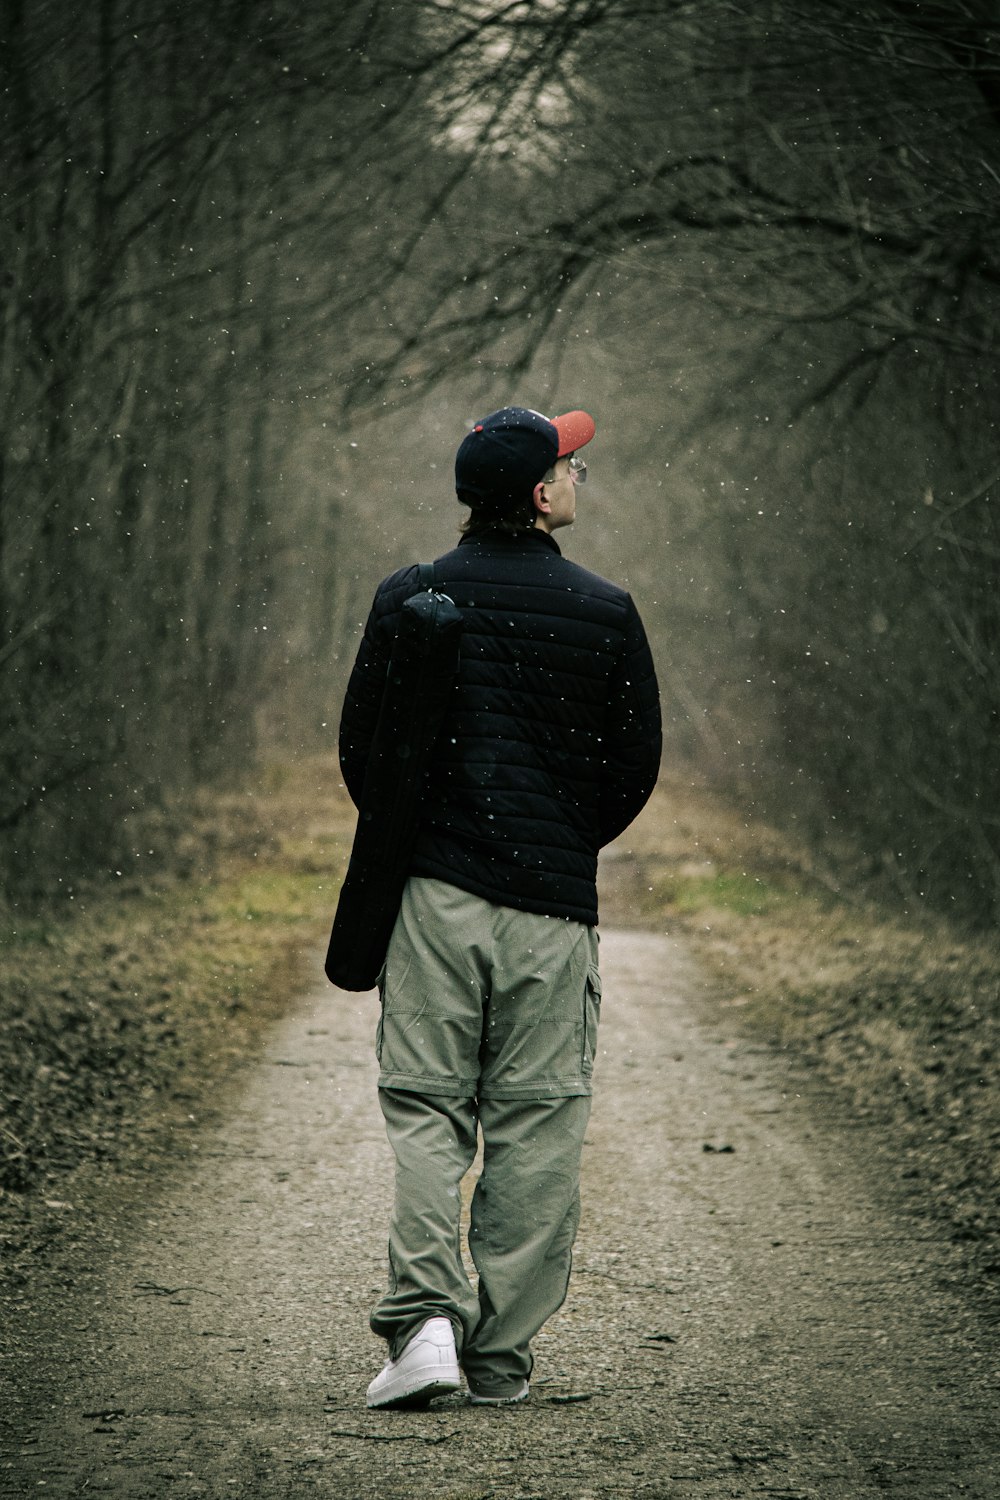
(489,1017)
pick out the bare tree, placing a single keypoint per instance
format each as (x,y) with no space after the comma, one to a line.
(777,221)
(826,181)
(182,194)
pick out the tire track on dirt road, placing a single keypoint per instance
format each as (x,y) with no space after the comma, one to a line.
(751,1314)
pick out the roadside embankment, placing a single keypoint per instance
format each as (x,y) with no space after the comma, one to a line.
(128,1012)
(898,1009)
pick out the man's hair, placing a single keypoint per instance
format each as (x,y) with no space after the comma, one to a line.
(517,518)
(511,520)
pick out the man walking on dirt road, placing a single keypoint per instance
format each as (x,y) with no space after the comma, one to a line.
(491,992)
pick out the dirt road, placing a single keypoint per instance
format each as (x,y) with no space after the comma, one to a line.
(751,1313)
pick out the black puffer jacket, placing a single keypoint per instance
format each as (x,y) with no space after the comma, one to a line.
(553,740)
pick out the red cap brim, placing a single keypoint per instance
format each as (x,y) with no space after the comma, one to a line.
(575,429)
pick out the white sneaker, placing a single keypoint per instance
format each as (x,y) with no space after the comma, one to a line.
(511,1400)
(427,1367)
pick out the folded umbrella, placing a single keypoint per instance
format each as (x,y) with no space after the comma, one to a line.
(418,689)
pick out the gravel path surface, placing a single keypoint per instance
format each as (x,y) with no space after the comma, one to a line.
(752,1313)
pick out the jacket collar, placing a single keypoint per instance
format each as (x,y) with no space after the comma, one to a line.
(529,537)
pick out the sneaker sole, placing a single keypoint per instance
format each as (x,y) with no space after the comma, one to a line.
(417,1399)
(498,1400)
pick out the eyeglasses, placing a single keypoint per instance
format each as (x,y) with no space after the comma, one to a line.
(578,469)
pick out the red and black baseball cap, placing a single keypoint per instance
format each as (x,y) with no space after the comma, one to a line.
(506,454)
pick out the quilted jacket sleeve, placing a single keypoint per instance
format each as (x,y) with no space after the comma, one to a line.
(633,739)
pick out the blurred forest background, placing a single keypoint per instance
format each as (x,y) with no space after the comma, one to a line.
(263,264)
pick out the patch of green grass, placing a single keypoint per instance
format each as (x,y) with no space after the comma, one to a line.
(266,895)
(739,892)
(18,931)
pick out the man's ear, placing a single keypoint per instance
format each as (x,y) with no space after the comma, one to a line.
(538,495)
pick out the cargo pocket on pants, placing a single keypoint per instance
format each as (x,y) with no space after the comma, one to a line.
(591,1019)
